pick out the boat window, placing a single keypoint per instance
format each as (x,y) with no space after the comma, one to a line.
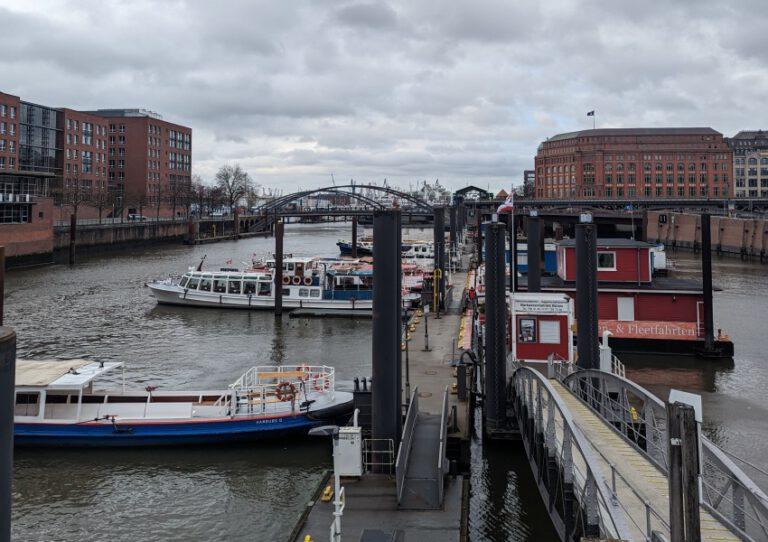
(290,266)
(220,285)
(249,287)
(303,292)
(234,286)
(184,281)
(286,292)
(27,404)
(265,288)
(314,292)
(205,284)
(193,283)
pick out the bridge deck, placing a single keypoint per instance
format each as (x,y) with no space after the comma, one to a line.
(637,479)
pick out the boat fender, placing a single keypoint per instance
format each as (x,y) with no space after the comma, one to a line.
(285,391)
(297,280)
(286,280)
(308,281)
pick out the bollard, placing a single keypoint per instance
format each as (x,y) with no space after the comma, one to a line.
(7,394)
(354,236)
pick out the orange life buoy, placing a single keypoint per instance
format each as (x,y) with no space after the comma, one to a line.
(286,280)
(285,391)
(307,372)
(308,281)
(297,280)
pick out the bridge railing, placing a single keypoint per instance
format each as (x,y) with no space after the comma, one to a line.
(404,449)
(639,417)
(442,455)
(566,469)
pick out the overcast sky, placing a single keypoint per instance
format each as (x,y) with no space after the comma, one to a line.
(457,90)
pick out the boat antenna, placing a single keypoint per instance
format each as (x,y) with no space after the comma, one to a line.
(200,265)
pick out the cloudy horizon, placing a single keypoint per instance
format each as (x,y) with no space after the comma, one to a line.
(408,91)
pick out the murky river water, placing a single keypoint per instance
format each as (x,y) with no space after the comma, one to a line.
(101,310)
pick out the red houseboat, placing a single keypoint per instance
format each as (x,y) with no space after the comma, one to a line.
(643,312)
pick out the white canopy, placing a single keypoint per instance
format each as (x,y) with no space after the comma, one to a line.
(70,373)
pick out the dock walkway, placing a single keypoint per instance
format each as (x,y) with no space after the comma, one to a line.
(637,480)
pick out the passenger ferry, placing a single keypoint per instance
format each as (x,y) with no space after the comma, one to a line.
(57,404)
(306,283)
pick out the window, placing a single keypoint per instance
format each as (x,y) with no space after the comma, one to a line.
(549,332)
(606,261)
(27,404)
(193,283)
(184,281)
(526,330)
(265,288)
(234,286)
(303,292)
(205,284)
(314,292)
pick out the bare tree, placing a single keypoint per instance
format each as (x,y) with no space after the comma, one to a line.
(179,194)
(73,194)
(234,183)
(101,200)
(157,196)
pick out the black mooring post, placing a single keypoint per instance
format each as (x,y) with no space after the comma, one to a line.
(2,283)
(454,226)
(7,393)
(513,253)
(534,253)
(279,231)
(586,295)
(706,275)
(479,235)
(72,238)
(439,250)
(354,236)
(495,327)
(387,328)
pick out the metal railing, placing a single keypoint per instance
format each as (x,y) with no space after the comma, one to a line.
(378,455)
(442,455)
(404,449)
(567,472)
(639,417)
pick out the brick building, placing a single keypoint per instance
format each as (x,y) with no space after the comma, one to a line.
(634,163)
(150,158)
(750,163)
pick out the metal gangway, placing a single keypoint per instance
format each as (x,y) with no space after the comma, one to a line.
(598,446)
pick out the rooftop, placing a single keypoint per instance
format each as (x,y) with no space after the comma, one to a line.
(609,242)
(56,374)
(599,132)
(751,134)
(126,112)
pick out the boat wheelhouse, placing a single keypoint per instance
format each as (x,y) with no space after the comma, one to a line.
(57,404)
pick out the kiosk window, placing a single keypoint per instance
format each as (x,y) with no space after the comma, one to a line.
(527,331)
(606,261)
(549,332)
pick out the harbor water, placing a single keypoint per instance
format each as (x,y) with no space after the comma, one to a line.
(101,310)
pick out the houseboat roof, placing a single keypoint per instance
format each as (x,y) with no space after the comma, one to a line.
(606,242)
(60,374)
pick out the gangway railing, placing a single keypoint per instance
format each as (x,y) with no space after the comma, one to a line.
(566,469)
(639,417)
(406,442)
(442,455)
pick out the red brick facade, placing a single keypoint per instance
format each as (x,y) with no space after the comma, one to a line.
(634,163)
(9,132)
(152,159)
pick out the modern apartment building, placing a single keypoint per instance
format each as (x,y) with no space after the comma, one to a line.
(750,163)
(150,158)
(634,163)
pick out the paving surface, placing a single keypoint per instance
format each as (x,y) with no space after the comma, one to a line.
(639,480)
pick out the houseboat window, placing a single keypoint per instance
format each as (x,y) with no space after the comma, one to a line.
(184,281)
(249,287)
(606,261)
(205,284)
(193,283)
(303,292)
(27,404)
(234,286)
(220,285)
(549,332)
(264,288)
(314,292)
(290,266)
(286,292)
(527,331)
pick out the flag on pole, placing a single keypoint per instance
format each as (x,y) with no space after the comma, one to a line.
(508,206)
(591,113)
(229,261)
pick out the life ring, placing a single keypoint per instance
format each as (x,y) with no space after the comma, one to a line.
(306,370)
(286,280)
(285,391)
(321,384)
(307,281)
(297,280)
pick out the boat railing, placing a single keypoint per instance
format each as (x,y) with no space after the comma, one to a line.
(264,384)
